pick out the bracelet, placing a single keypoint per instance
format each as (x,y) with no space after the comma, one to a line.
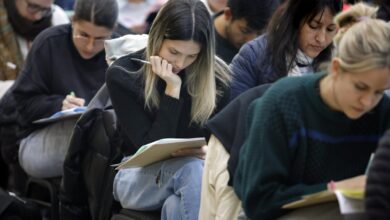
(331,185)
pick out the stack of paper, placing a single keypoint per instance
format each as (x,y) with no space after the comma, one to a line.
(160,150)
(349,200)
(312,199)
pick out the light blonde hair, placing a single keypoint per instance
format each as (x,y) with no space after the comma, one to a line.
(356,13)
(187,20)
(365,46)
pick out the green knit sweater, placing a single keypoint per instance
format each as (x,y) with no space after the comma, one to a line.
(296,144)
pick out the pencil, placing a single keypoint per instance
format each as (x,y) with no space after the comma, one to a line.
(139,60)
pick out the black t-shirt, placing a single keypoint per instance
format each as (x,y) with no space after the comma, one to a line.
(53,69)
(224,49)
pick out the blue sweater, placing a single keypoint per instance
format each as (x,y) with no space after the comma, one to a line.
(296,144)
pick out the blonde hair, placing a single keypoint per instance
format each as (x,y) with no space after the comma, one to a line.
(365,46)
(187,20)
(356,13)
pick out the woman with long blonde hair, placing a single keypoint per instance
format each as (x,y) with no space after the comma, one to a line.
(168,90)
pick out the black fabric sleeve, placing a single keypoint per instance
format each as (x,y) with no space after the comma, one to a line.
(32,93)
(140,125)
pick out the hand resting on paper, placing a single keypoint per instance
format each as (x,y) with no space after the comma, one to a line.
(72,102)
(357,182)
(199,152)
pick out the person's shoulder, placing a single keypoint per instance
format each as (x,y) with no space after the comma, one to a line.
(384,104)
(52,33)
(126,69)
(252,49)
(297,82)
(287,86)
(127,61)
(258,42)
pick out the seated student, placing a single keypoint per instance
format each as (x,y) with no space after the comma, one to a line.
(63,59)
(240,22)
(355,13)
(133,14)
(306,132)
(172,97)
(298,38)
(218,200)
(21,22)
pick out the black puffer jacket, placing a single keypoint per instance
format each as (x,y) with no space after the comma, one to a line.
(378,182)
(86,188)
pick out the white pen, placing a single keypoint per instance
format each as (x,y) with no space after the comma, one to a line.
(11,65)
(139,60)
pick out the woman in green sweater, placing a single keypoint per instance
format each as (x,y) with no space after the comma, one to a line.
(307,132)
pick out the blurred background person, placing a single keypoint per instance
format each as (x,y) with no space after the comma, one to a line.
(137,15)
(298,39)
(240,22)
(20,23)
(65,68)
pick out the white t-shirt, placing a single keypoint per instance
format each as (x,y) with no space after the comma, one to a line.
(135,14)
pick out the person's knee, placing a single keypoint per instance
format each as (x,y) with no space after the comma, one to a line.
(192,169)
(171,207)
(41,164)
(194,166)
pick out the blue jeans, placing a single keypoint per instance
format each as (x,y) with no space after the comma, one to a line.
(173,185)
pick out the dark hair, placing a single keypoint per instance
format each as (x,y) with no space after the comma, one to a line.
(283,30)
(384,9)
(99,12)
(255,12)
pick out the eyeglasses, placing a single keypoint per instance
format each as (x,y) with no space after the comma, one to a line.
(85,39)
(35,8)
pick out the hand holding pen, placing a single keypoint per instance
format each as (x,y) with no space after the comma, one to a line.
(163,69)
(71,101)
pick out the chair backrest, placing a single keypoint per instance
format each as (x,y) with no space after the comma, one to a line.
(86,189)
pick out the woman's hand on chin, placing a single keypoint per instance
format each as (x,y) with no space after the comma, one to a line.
(163,69)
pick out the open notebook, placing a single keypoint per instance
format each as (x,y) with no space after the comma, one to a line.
(160,150)
(349,200)
(62,115)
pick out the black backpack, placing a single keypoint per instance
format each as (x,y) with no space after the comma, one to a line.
(86,188)
(87,182)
